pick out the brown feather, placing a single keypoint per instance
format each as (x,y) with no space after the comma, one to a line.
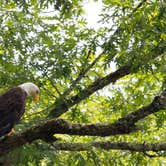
(12,107)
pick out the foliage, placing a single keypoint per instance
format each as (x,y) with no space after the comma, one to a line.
(49,43)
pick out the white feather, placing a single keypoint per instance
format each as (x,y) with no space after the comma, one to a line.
(29,87)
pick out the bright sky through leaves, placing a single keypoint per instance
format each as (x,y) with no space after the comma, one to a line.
(92,12)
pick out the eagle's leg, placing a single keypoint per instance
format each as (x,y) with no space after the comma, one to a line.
(10,133)
(7,135)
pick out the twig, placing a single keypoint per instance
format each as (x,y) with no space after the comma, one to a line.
(81,75)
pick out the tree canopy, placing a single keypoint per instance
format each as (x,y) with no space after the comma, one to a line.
(102,89)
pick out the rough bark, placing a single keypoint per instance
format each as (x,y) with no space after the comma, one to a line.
(157,104)
(61,106)
(137,147)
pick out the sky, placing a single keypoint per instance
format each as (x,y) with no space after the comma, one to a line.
(92,11)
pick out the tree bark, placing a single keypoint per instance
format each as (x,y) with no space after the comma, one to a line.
(61,106)
(137,147)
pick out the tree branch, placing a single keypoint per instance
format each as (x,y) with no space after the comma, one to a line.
(139,5)
(59,126)
(157,104)
(136,147)
(85,71)
(62,106)
(81,75)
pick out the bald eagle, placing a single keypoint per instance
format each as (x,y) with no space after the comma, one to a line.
(12,105)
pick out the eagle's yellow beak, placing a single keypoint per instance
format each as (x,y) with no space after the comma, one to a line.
(36,97)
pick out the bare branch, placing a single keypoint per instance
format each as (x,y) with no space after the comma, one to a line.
(136,147)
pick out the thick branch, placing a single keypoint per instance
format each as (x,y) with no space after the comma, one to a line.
(137,147)
(62,107)
(157,104)
(59,126)
(44,131)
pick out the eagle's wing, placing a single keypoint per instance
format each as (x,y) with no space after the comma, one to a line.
(12,106)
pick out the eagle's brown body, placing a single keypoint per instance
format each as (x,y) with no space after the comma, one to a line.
(12,107)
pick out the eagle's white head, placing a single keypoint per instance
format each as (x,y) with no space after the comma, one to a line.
(31,90)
